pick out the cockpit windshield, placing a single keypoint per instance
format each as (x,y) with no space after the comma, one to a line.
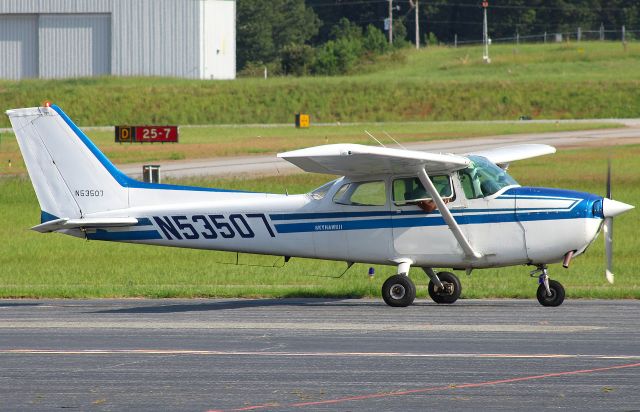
(482,178)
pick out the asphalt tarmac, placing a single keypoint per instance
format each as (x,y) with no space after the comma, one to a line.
(312,354)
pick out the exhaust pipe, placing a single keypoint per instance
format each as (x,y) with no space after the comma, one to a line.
(567,259)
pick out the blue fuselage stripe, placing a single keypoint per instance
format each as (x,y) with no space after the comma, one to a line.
(386,213)
(143,221)
(47,217)
(101,234)
(435,220)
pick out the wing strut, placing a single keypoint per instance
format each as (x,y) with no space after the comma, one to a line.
(447,216)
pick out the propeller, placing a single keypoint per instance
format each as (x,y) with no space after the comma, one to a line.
(610,209)
(608,231)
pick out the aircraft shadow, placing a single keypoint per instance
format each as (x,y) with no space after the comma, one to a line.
(236,304)
(306,302)
(16,304)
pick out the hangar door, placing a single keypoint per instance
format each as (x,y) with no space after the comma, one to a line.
(18,46)
(74,45)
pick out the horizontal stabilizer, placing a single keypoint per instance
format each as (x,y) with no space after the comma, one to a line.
(91,222)
(361,160)
(505,155)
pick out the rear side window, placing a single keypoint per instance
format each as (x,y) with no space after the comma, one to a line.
(361,194)
(321,192)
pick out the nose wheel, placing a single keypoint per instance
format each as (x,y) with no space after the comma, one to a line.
(550,292)
(449,289)
(444,287)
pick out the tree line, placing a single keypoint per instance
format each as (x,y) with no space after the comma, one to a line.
(327,37)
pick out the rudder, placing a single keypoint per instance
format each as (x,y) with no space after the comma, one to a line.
(71,177)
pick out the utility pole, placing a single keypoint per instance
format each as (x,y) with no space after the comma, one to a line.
(417,28)
(390,21)
(485,33)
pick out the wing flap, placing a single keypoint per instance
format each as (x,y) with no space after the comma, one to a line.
(91,222)
(359,160)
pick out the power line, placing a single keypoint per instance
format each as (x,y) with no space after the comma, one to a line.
(572,7)
(475,5)
(345,3)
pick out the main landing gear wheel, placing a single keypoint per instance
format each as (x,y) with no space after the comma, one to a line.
(398,291)
(557,294)
(451,290)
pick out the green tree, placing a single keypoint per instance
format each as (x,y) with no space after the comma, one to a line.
(340,54)
(264,28)
(297,59)
(346,29)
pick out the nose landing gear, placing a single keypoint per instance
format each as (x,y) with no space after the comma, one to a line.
(444,287)
(550,292)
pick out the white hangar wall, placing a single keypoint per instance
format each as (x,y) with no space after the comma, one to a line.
(74,45)
(18,47)
(156,37)
(78,38)
(218,40)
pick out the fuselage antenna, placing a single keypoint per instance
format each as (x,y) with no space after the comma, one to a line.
(286,192)
(374,138)
(396,142)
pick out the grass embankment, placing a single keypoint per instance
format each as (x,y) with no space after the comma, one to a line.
(36,265)
(577,80)
(214,141)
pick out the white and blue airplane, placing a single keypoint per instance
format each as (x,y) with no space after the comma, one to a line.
(389,207)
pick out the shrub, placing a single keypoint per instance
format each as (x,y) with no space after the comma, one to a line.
(374,41)
(399,34)
(337,56)
(430,39)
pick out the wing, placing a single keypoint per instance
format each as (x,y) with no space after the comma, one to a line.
(360,160)
(87,223)
(505,155)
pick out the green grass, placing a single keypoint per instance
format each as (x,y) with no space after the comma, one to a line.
(215,141)
(565,62)
(53,265)
(585,80)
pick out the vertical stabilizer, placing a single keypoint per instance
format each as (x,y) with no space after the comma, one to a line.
(71,177)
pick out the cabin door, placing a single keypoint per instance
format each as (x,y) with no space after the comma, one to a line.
(419,231)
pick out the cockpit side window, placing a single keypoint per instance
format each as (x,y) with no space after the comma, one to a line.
(410,190)
(361,194)
(470,185)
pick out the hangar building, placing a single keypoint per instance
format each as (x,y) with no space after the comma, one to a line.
(81,38)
